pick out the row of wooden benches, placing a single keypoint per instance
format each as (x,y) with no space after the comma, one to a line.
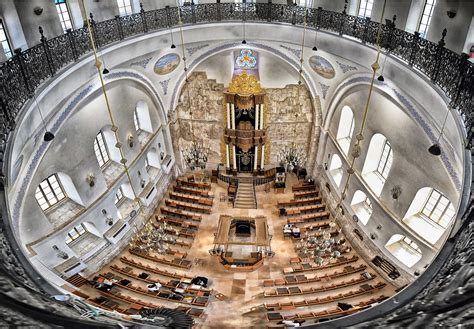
(176,262)
(308,266)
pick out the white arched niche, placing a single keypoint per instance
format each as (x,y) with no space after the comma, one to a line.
(429,214)
(404,249)
(345,129)
(378,163)
(362,206)
(335,169)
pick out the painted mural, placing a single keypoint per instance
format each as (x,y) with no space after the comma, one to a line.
(166,64)
(322,67)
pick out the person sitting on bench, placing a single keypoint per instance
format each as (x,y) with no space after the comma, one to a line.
(153,287)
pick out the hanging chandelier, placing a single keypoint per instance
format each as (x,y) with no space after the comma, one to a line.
(196,155)
(323,246)
(292,156)
(153,238)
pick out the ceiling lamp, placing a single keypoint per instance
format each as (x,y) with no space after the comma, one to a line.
(292,156)
(243,21)
(154,238)
(48,136)
(435,149)
(381,78)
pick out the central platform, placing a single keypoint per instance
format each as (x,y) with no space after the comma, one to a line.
(242,242)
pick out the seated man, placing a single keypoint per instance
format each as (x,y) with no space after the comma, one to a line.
(200,281)
(153,287)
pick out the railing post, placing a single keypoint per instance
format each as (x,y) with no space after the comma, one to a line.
(414,48)
(94,31)
(344,18)
(219,17)
(72,43)
(168,16)
(318,17)
(462,76)
(193,12)
(21,65)
(142,13)
(365,35)
(269,10)
(118,21)
(293,14)
(44,42)
(439,56)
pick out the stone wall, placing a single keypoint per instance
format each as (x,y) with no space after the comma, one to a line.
(206,97)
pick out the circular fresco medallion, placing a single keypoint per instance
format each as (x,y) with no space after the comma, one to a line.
(322,67)
(167,64)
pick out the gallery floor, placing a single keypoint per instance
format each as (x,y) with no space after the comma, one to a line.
(243,291)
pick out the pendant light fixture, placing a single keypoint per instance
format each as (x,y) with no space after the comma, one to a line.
(244,6)
(173,46)
(48,135)
(381,78)
(435,149)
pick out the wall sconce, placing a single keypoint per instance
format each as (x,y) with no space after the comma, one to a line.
(109,221)
(60,253)
(38,10)
(355,218)
(373,236)
(396,191)
(130,140)
(90,179)
(162,155)
(379,227)
(142,183)
(451,14)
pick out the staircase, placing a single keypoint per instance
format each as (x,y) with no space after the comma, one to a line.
(245,197)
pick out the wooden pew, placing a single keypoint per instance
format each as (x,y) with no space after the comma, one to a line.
(180,213)
(155,270)
(179,222)
(192,191)
(312,217)
(300,202)
(196,185)
(190,198)
(293,211)
(305,194)
(177,262)
(305,267)
(304,187)
(187,206)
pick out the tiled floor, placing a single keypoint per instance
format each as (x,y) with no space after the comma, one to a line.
(244,291)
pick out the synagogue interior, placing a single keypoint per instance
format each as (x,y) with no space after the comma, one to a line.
(236,164)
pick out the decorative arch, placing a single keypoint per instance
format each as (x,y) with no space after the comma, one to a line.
(362,206)
(378,163)
(335,169)
(404,249)
(429,214)
(345,129)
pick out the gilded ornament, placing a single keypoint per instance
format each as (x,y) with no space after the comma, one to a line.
(245,84)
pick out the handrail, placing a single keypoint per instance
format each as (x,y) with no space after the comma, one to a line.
(22,74)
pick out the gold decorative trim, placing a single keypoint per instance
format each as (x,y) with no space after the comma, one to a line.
(245,84)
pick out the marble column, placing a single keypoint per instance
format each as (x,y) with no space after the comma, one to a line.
(256,117)
(261,117)
(227,156)
(234,158)
(232,111)
(228,116)
(262,159)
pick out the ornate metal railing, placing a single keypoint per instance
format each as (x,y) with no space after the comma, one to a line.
(26,70)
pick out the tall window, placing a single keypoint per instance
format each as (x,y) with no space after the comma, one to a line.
(136,122)
(365,8)
(404,249)
(76,232)
(125,7)
(118,195)
(438,209)
(362,206)
(426,17)
(100,149)
(49,192)
(63,13)
(346,129)
(6,46)
(385,161)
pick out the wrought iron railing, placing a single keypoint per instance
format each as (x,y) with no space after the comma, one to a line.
(26,70)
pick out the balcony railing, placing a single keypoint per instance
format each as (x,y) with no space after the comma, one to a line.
(26,70)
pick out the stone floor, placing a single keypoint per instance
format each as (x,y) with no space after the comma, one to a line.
(242,308)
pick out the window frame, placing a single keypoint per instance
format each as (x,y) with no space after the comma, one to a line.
(7,40)
(428,216)
(70,238)
(40,189)
(122,7)
(409,244)
(366,2)
(118,200)
(136,120)
(429,15)
(389,156)
(99,152)
(60,13)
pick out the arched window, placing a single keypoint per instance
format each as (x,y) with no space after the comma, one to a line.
(365,8)
(141,117)
(49,192)
(404,249)
(335,169)
(362,206)
(345,129)
(63,14)
(429,214)
(100,149)
(125,7)
(425,19)
(377,163)
(75,233)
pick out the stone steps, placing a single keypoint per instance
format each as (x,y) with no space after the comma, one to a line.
(245,197)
